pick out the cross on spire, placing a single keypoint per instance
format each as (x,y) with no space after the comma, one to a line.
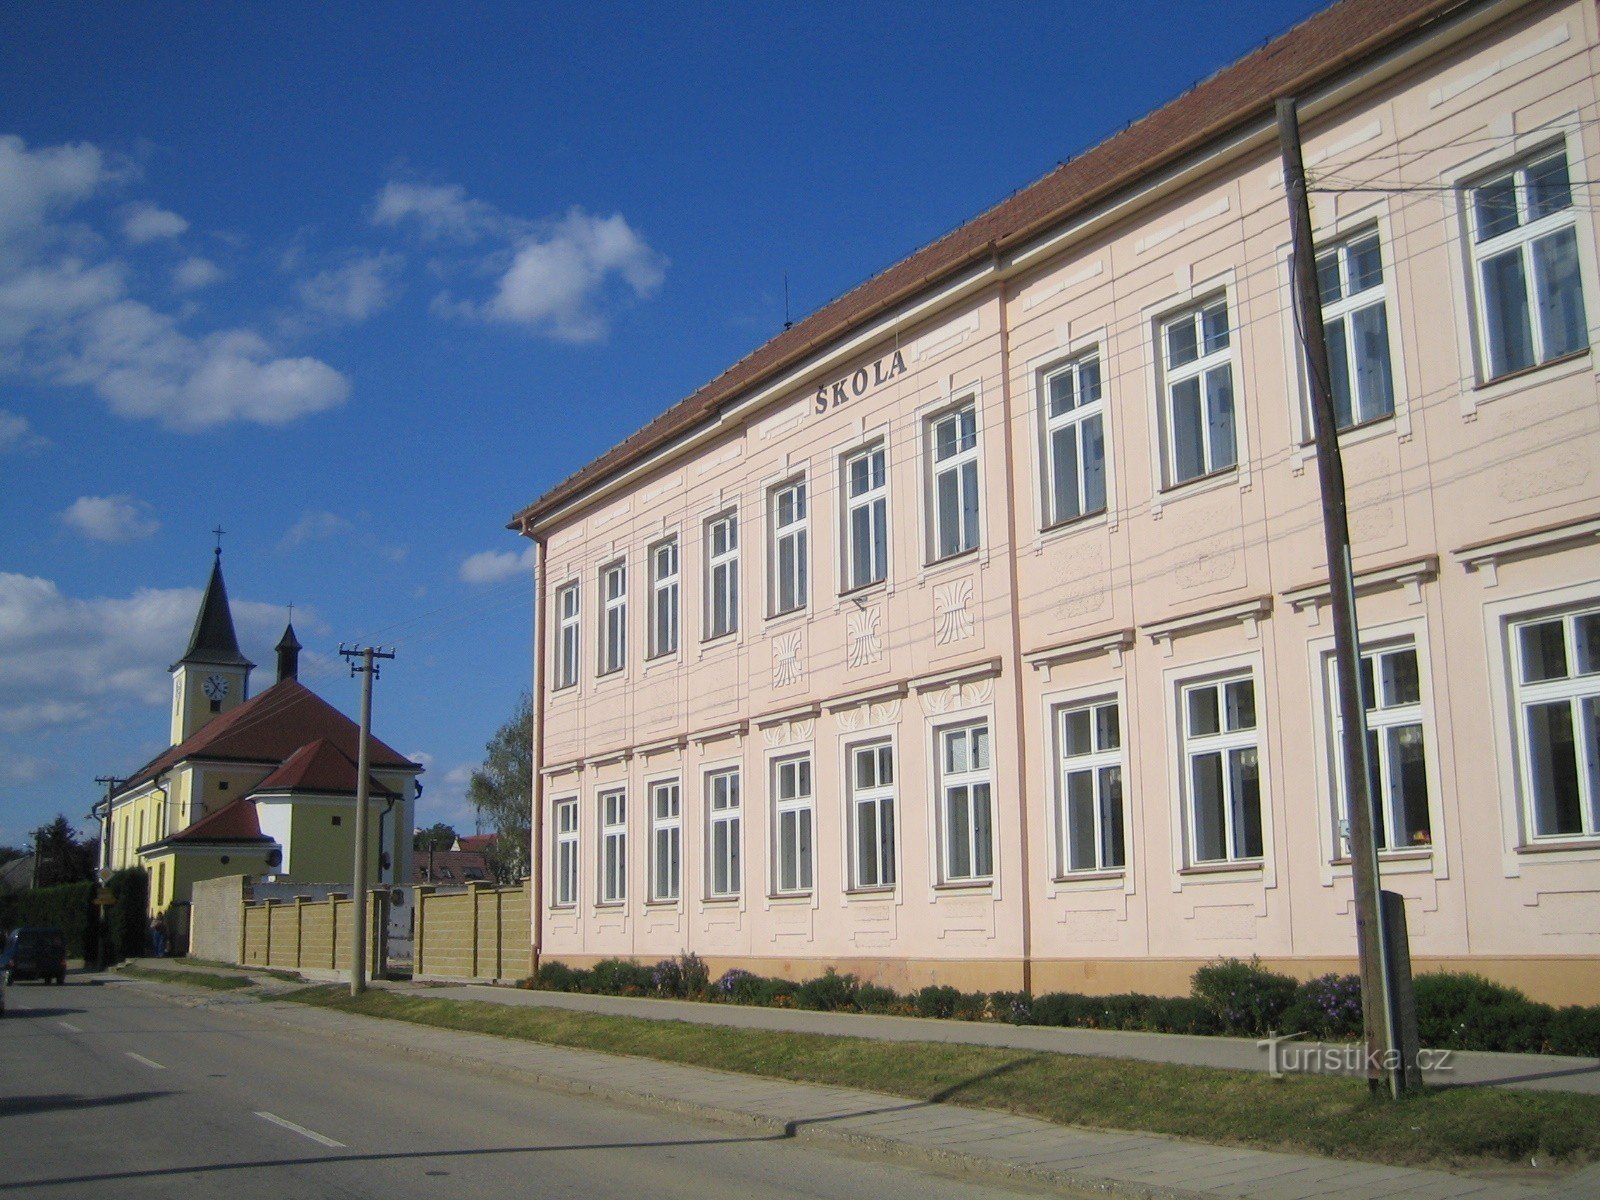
(219,531)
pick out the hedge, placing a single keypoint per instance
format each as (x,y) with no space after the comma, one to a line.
(70,908)
(1230,996)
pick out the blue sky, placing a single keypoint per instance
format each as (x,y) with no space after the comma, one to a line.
(359,281)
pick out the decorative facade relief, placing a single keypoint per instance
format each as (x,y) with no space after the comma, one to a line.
(952,611)
(863,644)
(885,714)
(786,668)
(1083,586)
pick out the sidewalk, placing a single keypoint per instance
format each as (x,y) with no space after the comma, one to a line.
(980,1140)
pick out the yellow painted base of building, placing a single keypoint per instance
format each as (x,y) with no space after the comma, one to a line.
(1549,979)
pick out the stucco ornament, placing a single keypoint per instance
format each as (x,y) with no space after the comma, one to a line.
(786,660)
(863,646)
(952,609)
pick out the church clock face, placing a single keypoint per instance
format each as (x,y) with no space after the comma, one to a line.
(216,687)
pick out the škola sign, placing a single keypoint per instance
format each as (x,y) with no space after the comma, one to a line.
(852,387)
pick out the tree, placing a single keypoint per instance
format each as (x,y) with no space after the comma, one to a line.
(436,837)
(62,858)
(502,792)
(10,854)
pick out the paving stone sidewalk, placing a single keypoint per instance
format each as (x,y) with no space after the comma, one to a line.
(981,1140)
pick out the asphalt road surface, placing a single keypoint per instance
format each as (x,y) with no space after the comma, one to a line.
(109,1090)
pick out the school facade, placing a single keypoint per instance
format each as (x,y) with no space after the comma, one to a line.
(975,630)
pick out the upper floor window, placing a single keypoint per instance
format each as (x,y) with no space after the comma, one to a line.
(1075,456)
(666,839)
(872,815)
(1558,722)
(1222,770)
(566,851)
(1089,820)
(793,836)
(613,617)
(723,817)
(1355,319)
(567,636)
(1197,375)
(966,811)
(1525,265)
(866,504)
(613,847)
(953,447)
(789,548)
(1397,765)
(664,593)
(722,574)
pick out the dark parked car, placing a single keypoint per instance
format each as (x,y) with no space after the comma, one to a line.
(35,954)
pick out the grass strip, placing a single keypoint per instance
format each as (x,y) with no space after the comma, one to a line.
(1439,1127)
(271,972)
(216,981)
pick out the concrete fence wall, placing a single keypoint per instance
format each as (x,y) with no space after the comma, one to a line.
(479,933)
(309,936)
(216,917)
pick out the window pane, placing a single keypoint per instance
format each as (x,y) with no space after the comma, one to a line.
(1241,700)
(980,748)
(1064,464)
(885,765)
(880,541)
(1062,398)
(967,425)
(1094,464)
(861,545)
(1205,780)
(1408,782)
(1329,285)
(1560,291)
(866,846)
(1219,400)
(1587,628)
(1088,381)
(1188,446)
(1204,716)
(733,856)
(969,508)
(1339,372)
(1553,767)
(1369,333)
(1215,321)
(955,751)
(1111,849)
(1549,188)
(1589,715)
(1108,728)
(1076,732)
(948,499)
(1544,651)
(982,831)
(1182,343)
(958,851)
(1366,264)
(944,438)
(1401,682)
(1505,303)
(886,842)
(1244,767)
(719,858)
(1080,821)
(1495,207)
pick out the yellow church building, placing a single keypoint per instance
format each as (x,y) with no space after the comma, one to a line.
(259,785)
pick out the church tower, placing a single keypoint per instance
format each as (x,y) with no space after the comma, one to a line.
(212,676)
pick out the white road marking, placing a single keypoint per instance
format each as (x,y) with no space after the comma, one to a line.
(69,1026)
(301,1130)
(149,1062)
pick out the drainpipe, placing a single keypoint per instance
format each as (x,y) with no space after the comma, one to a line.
(383,816)
(535,858)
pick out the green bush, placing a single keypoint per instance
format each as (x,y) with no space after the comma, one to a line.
(1469,1012)
(870,998)
(1327,1007)
(127,925)
(936,1000)
(68,907)
(620,977)
(696,976)
(1244,997)
(1178,1014)
(828,992)
(1576,1030)
(558,977)
(971,1006)
(1015,1007)
(1063,1008)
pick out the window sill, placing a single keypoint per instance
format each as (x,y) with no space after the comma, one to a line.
(1091,876)
(717,641)
(611,905)
(1362,431)
(613,673)
(965,885)
(869,893)
(788,897)
(1253,866)
(865,591)
(950,560)
(1555,847)
(563,908)
(794,616)
(666,657)
(662,904)
(1421,854)
(1486,391)
(731,898)
(1199,484)
(1089,520)
(1516,376)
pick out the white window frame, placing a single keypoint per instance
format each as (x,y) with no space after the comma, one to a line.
(791,584)
(613,849)
(1521,239)
(796,812)
(1224,743)
(722,574)
(666,594)
(957,464)
(1346,308)
(568,631)
(875,802)
(874,501)
(725,809)
(968,780)
(1198,369)
(1076,419)
(613,617)
(1382,717)
(1095,763)
(564,853)
(666,840)
(1572,690)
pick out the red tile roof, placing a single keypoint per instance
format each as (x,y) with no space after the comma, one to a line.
(449,867)
(1312,52)
(478,842)
(318,766)
(269,728)
(233,822)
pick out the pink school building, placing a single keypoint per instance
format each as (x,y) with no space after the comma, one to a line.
(975,629)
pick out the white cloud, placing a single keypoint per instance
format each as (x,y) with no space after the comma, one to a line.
(147,223)
(17,769)
(111,518)
(17,435)
(195,273)
(355,290)
(313,526)
(496,566)
(34,184)
(440,211)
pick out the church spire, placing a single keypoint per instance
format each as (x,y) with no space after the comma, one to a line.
(288,654)
(213,640)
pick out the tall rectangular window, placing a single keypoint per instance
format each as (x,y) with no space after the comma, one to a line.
(953,453)
(1558,722)
(666,839)
(1075,439)
(790,552)
(664,597)
(1222,770)
(567,636)
(792,824)
(966,810)
(566,851)
(613,617)
(1197,373)
(1089,814)
(1356,321)
(723,833)
(613,847)
(722,575)
(1525,264)
(866,503)
(1397,765)
(872,815)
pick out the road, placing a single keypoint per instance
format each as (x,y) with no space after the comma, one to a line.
(110,1089)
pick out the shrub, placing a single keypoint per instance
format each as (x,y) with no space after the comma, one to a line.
(620,977)
(696,976)
(828,992)
(733,985)
(1178,1014)
(1123,1011)
(666,977)
(1326,1007)
(1015,1007)
(558,977)
(870,998)
(936,1000)
(1468,1012)
(971,1006)
(1244,997)
(1063,1008)
(1576,1030)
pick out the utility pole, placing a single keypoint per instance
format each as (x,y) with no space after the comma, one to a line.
(368,670)
(1378,1012)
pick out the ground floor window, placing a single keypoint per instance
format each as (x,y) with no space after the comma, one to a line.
(966,816)
(1089,815)
(566,851)
(1222,770)
(613,847)
(666,839)
(872,815)
(1397,767)
(793,826)
(1557,690)
(723,829)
